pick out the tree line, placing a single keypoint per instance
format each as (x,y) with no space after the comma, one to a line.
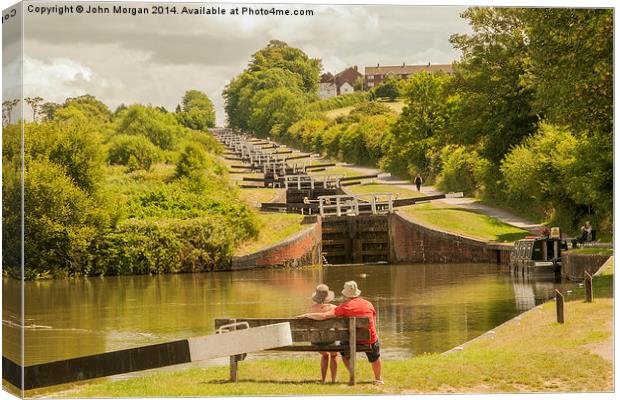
(136,191)
(524,120)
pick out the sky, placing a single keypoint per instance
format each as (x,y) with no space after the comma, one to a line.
(156,58)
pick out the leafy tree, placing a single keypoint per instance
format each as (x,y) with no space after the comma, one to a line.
(389,88)
(570,66)
(278,54)
(7,110)
(122,148)
(197,112)
(417,134)
(48,109)
(495,107)
(35,104)
(95,110)
(162,129)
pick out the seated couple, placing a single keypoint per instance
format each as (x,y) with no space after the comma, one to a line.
(354,306)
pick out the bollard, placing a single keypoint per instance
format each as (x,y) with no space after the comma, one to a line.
(559,306)
(588,279)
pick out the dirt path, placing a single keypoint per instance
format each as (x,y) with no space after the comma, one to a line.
(467,203)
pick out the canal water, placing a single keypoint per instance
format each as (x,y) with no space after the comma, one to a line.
(421,308)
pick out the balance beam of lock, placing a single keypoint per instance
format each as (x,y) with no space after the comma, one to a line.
(231,340)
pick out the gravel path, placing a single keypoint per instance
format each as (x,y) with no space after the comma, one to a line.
(467,203)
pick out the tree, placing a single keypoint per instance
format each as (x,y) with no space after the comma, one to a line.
(162,129)
(575,45)
(48,109)
(389,88)
(35,104)
(7,110)
(197,112)
(418,133)
(495,106)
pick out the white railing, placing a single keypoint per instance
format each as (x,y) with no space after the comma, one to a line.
(353,205)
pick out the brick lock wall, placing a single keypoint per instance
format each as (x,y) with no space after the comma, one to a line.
(412,242)
(574,265)
(302,249)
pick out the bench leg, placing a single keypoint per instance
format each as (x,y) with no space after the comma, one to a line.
(233,368)
(352,350)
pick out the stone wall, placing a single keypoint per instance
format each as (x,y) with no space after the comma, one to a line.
(574,265)
(416,243)
(301,249)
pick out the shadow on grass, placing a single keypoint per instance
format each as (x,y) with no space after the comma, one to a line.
(274,381)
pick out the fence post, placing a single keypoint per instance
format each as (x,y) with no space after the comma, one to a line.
(588,279)
(559,306)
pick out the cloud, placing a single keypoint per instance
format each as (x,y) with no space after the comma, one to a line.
(154,59)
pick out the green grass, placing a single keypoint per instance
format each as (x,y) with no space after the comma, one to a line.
(337,171)
(255,196)
(464,222)
(531,354)
(395,106)
(383,188)
(275,227)
(593,250)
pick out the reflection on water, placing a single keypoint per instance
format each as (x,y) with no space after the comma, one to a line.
(421,308)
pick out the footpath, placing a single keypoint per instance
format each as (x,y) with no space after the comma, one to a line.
(468,203)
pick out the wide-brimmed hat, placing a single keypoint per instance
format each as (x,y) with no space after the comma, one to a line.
(322,294)
(350,289)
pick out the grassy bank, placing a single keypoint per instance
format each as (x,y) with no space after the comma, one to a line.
(463,222)
(274,228)
(530,354)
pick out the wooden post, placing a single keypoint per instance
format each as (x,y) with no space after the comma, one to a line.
(233,362)
(588,279)
(352,349)
(559,306)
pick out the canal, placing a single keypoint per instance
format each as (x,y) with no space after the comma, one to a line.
(421,308)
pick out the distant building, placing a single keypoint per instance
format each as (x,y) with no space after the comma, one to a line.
(341,83)
(327,86)
(345,80)
(375,75)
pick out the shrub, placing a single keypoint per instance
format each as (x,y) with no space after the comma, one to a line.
(122,148)
(333,103)
(165,246)
(193,158)
(161,128)
(462,169)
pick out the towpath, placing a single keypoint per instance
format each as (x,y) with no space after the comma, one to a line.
(468,203)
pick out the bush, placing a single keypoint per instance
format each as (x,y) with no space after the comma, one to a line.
(122,148)
(462,169)
(193,158)
(165,246)
(333,103)
(161,128)
(61,221)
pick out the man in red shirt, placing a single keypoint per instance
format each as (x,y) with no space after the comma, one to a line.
(355,306)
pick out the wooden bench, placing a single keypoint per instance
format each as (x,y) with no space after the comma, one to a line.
(305,330)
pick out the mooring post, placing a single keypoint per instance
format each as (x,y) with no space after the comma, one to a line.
(588,279)
(559,306)
(352,349)
(233,361)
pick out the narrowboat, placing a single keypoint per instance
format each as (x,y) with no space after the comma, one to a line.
(537,255)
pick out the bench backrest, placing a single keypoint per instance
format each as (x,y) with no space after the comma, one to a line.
(309,330)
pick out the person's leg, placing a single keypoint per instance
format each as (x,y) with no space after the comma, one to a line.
(324,364)
(345,361)
(333,366)
(376,369)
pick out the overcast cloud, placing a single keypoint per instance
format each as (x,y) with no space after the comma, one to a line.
(155,59)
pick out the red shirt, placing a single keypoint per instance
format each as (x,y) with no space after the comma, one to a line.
(358,307)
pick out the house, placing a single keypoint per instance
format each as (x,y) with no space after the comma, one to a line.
(345,80)
(327,86)
(375,75)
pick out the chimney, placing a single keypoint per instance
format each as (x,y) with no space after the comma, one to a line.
(429,63)
(377,65)
(355,68)
(403,64)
